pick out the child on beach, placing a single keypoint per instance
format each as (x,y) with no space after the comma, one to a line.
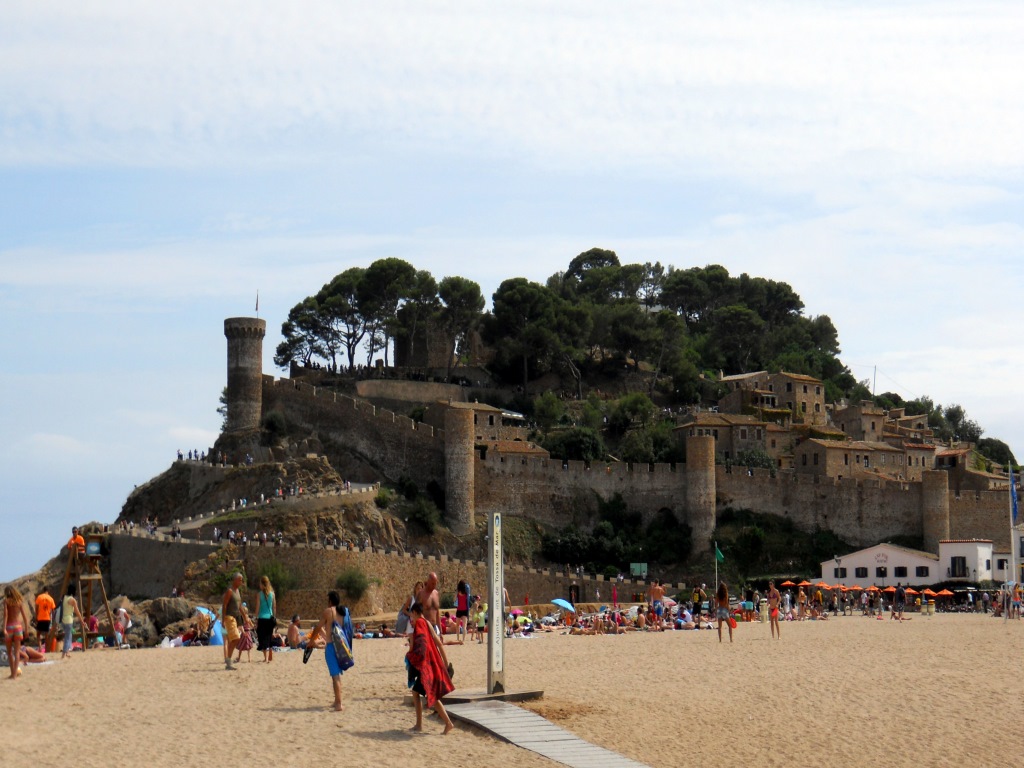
(245,642)
(480,615)
(16,618)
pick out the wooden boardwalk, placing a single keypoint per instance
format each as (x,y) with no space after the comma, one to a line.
(531,731)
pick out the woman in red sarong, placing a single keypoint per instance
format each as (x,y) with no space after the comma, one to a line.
(428,669)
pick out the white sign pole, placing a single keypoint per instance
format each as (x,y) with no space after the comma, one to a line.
(496,608)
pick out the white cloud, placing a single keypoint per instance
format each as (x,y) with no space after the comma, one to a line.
(755,89)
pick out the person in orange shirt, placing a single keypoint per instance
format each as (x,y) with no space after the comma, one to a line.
(77,541)
(44,609)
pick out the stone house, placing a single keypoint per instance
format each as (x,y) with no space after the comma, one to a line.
(491,423)
(802,396)
(733,433)
(864,421)
(847,458)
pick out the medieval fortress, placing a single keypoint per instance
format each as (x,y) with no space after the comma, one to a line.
(485,464)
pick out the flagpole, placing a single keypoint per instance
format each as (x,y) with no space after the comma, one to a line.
(716,565)
(1009,585)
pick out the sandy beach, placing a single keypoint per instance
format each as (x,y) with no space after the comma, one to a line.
(933,691)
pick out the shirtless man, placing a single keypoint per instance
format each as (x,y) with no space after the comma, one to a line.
(774,598)
(657,595)
(430,602)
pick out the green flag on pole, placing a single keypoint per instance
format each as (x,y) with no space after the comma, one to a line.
(718,555)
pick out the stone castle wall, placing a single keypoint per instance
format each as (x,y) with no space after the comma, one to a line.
(146,567)
(557,491)
(397,573)
(395,444)
(862,512)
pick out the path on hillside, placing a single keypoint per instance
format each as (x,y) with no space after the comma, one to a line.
(206,518)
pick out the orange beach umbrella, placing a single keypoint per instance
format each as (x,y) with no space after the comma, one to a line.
(944,593)
(787,583)
(804,583)
(889,589)
(927,591)
(911,591)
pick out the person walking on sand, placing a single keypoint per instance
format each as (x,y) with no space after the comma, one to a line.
(45,606)
(68,610)
(233,617)
(722,600)
(266,608)
(428,670)
(430,602)
(334,614)
(461,610)
(16,618)
(774,600)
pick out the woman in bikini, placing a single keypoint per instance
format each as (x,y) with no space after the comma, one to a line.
(722,599)
(16,618)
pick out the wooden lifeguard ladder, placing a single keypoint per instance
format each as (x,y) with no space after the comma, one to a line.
(85,570)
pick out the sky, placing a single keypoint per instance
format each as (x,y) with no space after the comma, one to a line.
(161,163)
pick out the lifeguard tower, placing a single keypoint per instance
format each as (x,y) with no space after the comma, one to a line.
(84,569)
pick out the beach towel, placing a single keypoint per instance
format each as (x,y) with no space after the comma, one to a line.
(426,660)
(341,637)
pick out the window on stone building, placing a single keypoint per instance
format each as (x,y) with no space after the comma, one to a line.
(1001,564)
(758,433)
(860,573)
(743,433)
(815,459)
(867,461)
(839,573)
(881,572)
(921,571)
(957,567)
(789,386)
(846,459)
(804,460)
(988,565)
(817,390)
(805,389)
(716,434)
(803,406)
(817,407)
(900,571)
(872,426)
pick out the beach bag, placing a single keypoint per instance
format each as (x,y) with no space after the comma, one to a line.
(341,640)
(401,624)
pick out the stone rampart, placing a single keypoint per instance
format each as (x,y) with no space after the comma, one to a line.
(862,512)
(409,391)
(555,491)
(395,444)
(144,566)
(981,515)
(393,576)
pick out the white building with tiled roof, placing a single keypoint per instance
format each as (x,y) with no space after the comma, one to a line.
(885,565)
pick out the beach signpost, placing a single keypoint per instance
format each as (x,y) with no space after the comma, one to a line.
(496,598)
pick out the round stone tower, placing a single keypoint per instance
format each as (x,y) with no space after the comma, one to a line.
(934,508)
(245,372)
(459,468)
(700,490)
